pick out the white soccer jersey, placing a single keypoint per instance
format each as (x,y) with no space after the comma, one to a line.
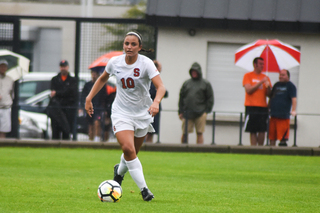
(133,84)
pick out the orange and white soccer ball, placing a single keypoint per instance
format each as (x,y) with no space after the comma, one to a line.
(109,191)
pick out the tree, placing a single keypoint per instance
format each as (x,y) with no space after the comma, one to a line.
(119,30)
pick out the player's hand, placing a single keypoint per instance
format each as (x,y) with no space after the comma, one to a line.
(89,108)
(293,113)
(153,109)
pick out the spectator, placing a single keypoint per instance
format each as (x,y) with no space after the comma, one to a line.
(111,94)
(153,92)
(283,96)
(257,87)
(64,93)
(195,101)
(6,98)
(94,122)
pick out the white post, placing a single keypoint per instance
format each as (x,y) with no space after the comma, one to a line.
(83,8)
(86,41)
(89,8)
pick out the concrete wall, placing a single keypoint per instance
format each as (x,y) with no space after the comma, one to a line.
(177,50)
(47,50)
(59,45)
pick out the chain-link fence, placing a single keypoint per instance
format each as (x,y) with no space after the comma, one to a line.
(6,35)
(93,38)
(98,39)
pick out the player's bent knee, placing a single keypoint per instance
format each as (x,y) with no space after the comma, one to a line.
(128,151)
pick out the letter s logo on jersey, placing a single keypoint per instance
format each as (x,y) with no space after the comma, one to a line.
(136,72)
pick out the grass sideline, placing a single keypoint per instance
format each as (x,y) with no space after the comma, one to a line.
(66,180)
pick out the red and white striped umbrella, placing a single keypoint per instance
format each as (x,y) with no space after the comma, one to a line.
(276,54)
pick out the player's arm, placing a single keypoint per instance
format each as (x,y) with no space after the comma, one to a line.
(100,82)
(161,91)
(294,106)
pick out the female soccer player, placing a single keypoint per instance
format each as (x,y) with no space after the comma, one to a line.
(132,110)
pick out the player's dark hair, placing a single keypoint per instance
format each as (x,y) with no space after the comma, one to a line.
(255,60)
(139,36)
(156,63)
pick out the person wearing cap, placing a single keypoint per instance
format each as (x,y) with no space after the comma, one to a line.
(62,105)
(6,99)
(133,109)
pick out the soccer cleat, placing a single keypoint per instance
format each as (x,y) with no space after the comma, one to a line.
(116,177)
(146,194)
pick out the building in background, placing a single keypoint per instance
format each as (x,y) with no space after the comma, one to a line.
(209,32)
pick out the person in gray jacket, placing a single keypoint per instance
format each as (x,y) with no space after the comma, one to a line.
(195,101)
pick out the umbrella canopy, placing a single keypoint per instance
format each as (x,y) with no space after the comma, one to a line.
(18,65)
(276,54)
(102,61)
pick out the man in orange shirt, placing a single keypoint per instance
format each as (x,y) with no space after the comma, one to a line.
(257,87)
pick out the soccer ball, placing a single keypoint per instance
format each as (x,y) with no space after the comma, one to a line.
(109,191)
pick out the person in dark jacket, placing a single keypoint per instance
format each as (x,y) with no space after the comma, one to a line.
(156,121)
(282,103)
(195,101)
(94,122)
(62,106)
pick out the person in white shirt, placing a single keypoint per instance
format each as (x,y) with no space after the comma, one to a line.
(133,109)
(6,99)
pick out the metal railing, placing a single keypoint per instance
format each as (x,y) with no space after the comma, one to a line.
(241,122)
(214,123)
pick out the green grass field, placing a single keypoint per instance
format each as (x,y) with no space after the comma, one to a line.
(66,180)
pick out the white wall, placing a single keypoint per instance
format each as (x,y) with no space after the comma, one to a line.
(62,42)
(177,50)
(47,50)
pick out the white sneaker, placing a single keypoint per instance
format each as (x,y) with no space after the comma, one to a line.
(96,139)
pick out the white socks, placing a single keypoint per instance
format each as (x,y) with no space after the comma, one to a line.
(122,169)
(135,169)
